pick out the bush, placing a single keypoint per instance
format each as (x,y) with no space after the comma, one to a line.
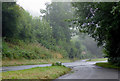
(57,64)
(114,60)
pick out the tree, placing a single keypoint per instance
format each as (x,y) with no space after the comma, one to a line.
(56,13)
(71,55)
(101,21)
(10,18)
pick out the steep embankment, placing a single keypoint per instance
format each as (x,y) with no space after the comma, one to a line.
(21,53)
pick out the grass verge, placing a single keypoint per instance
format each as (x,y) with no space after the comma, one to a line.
(51,72)
(98,59)
(19,62)
(107,65)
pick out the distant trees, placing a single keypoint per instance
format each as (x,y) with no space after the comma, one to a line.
(101,21)
(56,13)
(90,45)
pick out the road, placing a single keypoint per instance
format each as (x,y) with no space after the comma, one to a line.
(87,70)
(80,70)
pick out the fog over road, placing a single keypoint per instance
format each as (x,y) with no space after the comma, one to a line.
(80,70)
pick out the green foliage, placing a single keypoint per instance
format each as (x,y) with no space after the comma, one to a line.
(27,51)
(101,21)
(86,45)
(107,65)
(10,11)
(39,38)
(56,14)
(57,64)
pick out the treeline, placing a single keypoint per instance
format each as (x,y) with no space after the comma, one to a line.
(43,37)
(89,44)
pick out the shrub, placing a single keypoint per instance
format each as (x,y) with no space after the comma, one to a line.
(57,64)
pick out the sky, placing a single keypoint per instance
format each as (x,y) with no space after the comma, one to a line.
(33,6)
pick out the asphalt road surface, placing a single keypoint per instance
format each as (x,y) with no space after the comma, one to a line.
(87,70)
(80,70)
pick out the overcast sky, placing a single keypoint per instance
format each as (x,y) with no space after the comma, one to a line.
(33,6)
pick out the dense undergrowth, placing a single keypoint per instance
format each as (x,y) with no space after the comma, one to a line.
(21,50)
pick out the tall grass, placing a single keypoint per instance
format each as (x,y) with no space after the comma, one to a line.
(21,50)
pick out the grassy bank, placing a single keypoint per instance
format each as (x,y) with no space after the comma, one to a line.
(107,65)
(51,72)
(19,62)
(22,50)
(21,53)
(98,59)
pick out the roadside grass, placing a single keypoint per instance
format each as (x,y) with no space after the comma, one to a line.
(98,59)
(107,65)
(51,72)
(18,62)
